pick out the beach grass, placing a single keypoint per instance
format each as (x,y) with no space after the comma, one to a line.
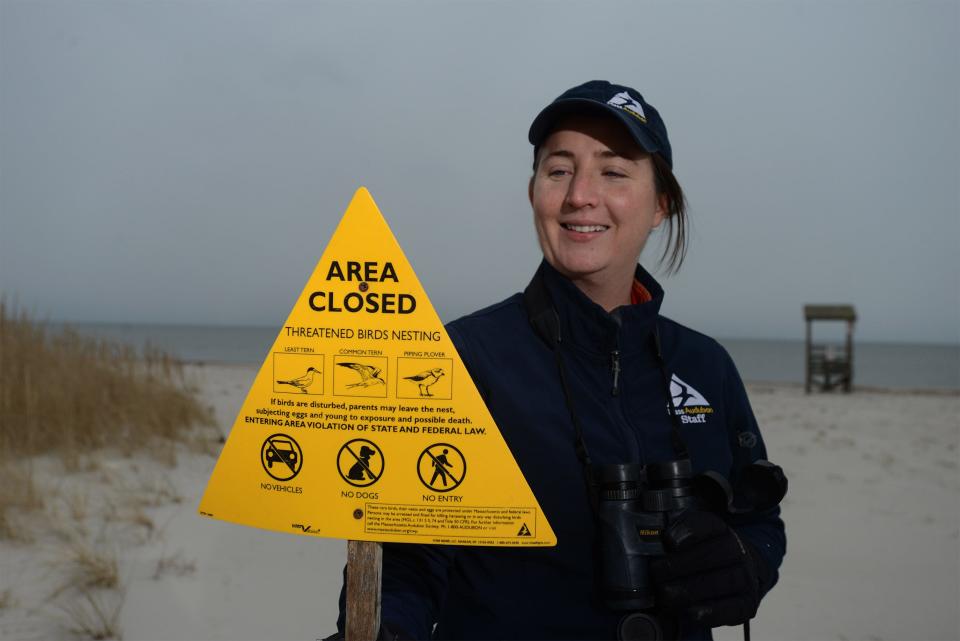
(95,615)
(17,492)
(68,393)
(65,394)
(92,567)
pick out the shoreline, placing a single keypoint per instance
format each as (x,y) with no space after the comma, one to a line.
(918,365)
(750,383)
(857,389)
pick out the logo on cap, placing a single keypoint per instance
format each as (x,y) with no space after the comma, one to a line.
(625,101)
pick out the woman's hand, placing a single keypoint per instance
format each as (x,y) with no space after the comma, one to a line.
(708,575)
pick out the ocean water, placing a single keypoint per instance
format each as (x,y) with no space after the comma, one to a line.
(893,365)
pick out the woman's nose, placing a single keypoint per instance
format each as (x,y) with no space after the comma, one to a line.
(581,191)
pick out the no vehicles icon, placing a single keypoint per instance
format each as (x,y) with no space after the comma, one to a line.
(281,457)
(441,467)
(360,462)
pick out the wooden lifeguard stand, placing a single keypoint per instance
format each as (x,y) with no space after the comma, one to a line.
(829,364)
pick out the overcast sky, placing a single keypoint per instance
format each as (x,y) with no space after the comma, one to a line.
(186,162)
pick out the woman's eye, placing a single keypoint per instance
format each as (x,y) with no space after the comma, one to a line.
(614,173)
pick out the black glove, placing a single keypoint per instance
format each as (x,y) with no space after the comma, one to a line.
(708,575)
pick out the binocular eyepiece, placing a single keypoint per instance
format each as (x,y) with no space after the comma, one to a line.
(635,503)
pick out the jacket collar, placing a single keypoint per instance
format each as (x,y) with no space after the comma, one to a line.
(589,327)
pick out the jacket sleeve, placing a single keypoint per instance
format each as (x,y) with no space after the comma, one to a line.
(764,531)
(414,586)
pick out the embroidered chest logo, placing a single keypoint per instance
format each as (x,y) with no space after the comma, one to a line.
(691,405)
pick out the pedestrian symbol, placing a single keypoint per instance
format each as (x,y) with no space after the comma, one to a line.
(281,457)
(360,462)
(444,466)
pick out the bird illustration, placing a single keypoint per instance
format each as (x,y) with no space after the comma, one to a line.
(425,379)
(304,381)
(682,393)
(369,375)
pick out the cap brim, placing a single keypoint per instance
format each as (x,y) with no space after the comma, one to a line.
(547,119)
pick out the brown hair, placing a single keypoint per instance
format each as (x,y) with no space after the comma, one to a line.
(676,245)
(675,248)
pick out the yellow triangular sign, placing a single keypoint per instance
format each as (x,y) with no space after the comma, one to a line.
(363,423)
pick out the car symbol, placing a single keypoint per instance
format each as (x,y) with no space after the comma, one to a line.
(281,451)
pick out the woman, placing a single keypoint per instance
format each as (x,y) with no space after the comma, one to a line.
(580,372)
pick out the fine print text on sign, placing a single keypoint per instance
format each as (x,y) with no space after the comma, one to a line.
(363,423)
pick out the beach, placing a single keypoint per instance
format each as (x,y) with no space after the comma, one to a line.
(872,527)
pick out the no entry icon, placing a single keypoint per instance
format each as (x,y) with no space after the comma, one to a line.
(441,467)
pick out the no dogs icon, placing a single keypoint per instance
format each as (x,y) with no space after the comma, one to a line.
(360,462)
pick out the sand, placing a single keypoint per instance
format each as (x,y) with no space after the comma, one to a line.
(872,526)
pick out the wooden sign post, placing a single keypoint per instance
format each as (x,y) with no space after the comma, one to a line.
(364,564)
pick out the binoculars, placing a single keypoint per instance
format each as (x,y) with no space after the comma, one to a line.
(636,503)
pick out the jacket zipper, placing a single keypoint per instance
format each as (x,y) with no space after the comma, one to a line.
(615,369)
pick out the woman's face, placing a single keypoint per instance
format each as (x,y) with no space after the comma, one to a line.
(594,200)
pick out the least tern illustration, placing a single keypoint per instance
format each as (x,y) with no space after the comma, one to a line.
(425,379)
(369,375)
(304,381)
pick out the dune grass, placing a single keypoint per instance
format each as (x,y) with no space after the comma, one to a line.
(68,403)
(17,492)
(92,567)
(95,615)
(66,394)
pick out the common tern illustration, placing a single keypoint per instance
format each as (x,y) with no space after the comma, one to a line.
(369,375)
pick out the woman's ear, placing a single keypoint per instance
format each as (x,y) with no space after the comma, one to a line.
(663,209)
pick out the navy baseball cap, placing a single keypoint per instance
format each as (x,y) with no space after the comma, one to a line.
(623,103)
